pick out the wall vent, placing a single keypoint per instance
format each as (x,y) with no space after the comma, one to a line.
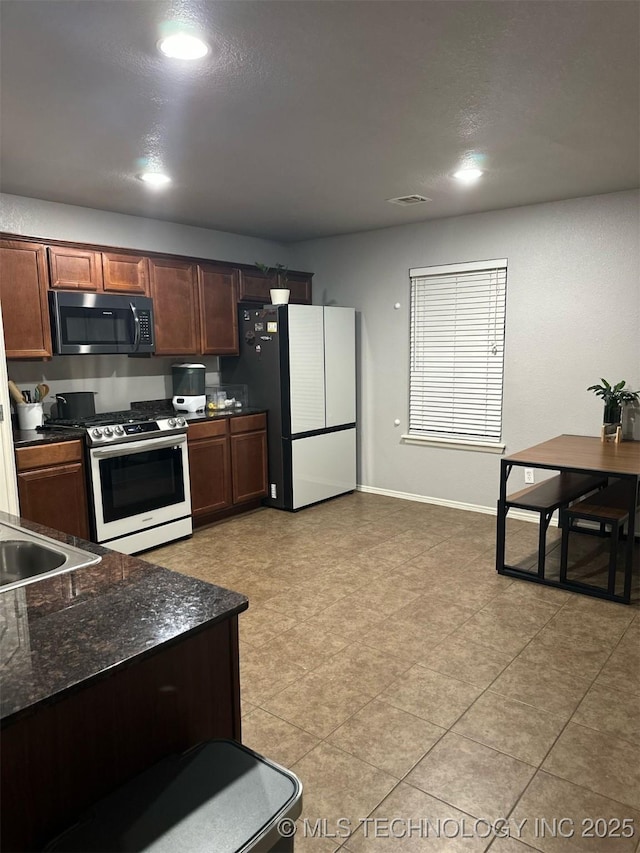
(409,199)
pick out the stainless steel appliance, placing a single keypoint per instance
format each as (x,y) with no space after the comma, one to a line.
(188,387)
(100,323)
(299,363)
(138,471)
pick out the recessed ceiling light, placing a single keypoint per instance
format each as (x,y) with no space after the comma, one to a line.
(155,179)
(468,176)
(183,46)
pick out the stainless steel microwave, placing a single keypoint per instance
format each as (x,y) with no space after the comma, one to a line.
(101,323)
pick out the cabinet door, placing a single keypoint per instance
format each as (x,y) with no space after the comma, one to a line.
(218,297)
(175,303)
(300,287)
(23,293)
(75,269)
(249,466)
(255,287)
(125,273)
(56,497)
(209,470)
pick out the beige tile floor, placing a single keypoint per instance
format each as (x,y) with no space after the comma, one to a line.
(385,662)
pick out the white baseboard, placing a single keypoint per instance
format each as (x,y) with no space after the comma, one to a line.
(520,514)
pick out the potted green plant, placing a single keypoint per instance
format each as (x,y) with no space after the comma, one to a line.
(279,274)
(614,397)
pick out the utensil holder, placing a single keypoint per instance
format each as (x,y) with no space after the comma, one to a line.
(30,415)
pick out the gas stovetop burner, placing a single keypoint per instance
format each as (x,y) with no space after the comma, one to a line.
(112,427)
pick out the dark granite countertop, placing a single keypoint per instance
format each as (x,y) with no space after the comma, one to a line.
(57,634)
(31,437)
(165,408)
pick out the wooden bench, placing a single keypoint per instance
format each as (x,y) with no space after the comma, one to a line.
(547,497)
(610,506)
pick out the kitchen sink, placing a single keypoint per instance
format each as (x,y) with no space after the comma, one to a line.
(26,557)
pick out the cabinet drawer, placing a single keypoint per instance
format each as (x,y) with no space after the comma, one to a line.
(248,423)
(48,454)
(208,429)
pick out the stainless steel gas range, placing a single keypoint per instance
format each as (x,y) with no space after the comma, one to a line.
(138,471)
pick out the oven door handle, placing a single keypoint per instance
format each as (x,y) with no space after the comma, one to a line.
(138,447)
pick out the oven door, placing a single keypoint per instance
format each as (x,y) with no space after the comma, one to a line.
(139,485)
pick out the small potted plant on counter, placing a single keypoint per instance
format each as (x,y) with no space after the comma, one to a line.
(279,274)
(614,397)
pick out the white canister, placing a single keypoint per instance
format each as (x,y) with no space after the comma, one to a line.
(30,415)
(279,295)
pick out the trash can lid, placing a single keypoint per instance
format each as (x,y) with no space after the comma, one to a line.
(219,796)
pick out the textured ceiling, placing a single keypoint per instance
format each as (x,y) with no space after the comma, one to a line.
(308,115)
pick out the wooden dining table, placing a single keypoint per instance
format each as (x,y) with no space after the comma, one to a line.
(578,454)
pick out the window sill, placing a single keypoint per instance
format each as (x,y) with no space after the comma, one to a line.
(454,443)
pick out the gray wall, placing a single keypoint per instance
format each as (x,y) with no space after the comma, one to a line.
(118,379)
(573,315)
(35,218)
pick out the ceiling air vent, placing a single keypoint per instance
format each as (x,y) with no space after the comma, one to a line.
(409,199)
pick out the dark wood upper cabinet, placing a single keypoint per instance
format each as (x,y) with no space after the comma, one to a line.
(255,287)
(124,273)
(23,293)
(175,303)
(73,268)
(300,286)
(218,297)
(195,301)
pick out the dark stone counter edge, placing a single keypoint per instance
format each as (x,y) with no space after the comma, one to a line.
(10,718)
(24,706)
(31,438)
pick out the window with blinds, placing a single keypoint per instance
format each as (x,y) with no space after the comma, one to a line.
(457,351)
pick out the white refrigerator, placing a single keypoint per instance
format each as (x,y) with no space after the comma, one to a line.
(298,362)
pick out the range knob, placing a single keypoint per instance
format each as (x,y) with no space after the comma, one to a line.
(119,430)
(172,422)
(181,422)
(96,433)
(108,432)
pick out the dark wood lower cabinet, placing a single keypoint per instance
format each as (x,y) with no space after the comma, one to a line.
(249,466)
(227,466)
(209,469)
(64,756)
(52,488)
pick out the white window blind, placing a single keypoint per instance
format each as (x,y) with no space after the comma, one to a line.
(457,351)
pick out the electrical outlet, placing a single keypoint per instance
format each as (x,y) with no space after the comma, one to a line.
(529,476)
(274,491)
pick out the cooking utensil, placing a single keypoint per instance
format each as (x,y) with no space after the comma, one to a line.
(76,404)
(27,396)
(16,393)
(43,389)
